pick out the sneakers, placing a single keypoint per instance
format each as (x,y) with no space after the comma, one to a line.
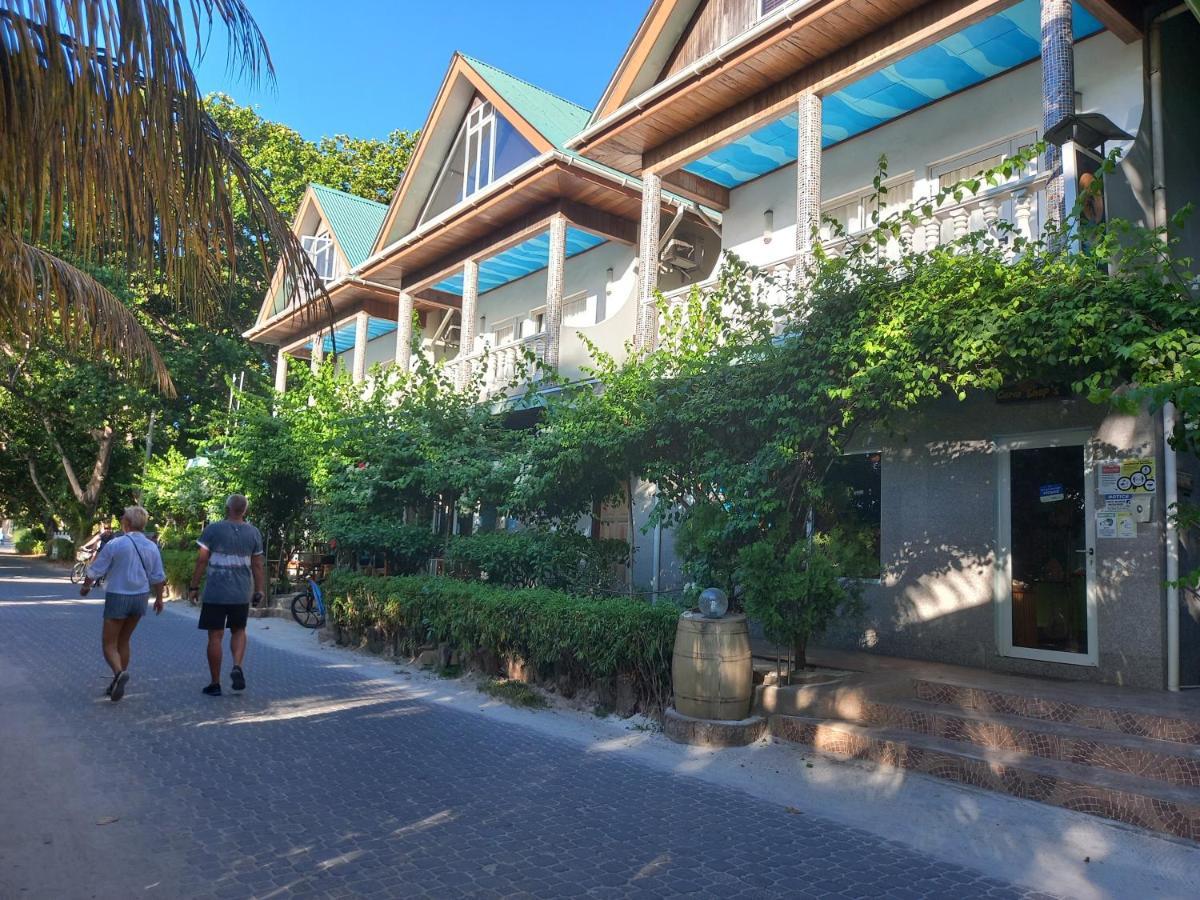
(117,688)
(238,679)
(108,690)
(213,690)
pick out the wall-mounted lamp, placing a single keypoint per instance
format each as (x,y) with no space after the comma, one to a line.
(768,225)
(608,281)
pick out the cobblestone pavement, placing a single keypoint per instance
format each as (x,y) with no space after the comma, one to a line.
(320,782)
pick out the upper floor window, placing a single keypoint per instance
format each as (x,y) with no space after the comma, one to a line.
(321,253)
(766,7)
(967,165)
(486,147)
(853,211)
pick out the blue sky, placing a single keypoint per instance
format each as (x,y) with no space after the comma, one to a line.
(365,67)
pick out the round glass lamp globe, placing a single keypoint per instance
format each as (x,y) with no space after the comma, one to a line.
(713,603)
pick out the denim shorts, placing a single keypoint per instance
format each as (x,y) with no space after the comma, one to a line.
(122,606)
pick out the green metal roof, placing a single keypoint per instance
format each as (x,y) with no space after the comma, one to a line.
(355,221)
(555,118)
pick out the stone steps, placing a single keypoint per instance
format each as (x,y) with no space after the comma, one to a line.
(1167,761)
(1116,719)
(1133,799)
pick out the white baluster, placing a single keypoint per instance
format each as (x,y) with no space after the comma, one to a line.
(933,231)
(960,220)
(1023,213)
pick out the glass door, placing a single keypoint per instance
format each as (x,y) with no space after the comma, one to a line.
(1046,558)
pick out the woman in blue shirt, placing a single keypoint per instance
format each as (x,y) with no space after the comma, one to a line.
(134,568)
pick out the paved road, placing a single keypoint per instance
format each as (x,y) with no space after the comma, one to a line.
(321,782)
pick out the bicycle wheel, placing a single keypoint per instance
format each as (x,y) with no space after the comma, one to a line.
(306,612)
(78,572)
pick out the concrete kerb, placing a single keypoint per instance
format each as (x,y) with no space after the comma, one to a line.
(1059,851)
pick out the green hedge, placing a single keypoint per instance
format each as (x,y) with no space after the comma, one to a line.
(556,634)
(178,566)
(26,542)
(562,560)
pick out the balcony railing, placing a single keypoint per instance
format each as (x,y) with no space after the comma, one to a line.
(498,366)
(1014,203)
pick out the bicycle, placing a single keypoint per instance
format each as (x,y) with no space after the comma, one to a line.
(79,570)
(309,608)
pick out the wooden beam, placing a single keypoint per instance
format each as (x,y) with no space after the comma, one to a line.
(906,35)
(519,229)
(600,222)
(701,190)
(432,299)
(1124,18)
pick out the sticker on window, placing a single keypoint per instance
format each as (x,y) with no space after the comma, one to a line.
(1051,493)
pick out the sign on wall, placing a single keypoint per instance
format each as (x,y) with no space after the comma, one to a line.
(1127,476)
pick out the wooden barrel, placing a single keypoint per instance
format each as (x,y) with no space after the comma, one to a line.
(711,669)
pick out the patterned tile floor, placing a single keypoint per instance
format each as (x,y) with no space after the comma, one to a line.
(320,782)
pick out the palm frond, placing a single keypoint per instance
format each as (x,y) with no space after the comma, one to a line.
(107,146)
(47,295)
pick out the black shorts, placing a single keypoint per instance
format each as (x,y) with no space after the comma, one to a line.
(216,616)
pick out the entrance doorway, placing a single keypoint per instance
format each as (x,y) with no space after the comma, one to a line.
(1045,573)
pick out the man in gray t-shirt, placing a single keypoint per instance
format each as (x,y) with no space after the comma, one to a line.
(232,552)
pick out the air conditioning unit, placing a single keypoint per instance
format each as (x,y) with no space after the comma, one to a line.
(679,254)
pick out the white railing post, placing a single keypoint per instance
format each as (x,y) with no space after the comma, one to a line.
(469,317)
(404,330)
(646,336)
(555,284)
(808,180)
(361,334)
(280,371)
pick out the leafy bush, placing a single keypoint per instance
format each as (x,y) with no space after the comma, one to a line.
(562,560)
(178,566)
(26,542)
(62,548)
(178,538)
(407,548)
(554,633)
(795,592)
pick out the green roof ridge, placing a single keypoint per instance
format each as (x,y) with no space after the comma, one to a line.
(355,225)
(557,122)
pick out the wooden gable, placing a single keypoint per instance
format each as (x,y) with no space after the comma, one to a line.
(460,86)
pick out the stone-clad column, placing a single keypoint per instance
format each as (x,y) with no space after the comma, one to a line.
(318,351)
(808,179)
(1058,95)
(555,287)
(646,336)
(361,335)
(470,316)
(280,371)
(404,331)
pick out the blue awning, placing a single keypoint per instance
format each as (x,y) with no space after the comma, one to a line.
(524,259)
(345,335)
(979,52)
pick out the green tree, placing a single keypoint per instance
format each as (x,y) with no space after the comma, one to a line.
(123,166)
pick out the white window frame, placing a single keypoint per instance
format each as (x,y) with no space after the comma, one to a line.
(480,117)
(1005,147)
(862,196)
(763,13)
(471,127)
(513,325)
(589,306)
(316,245)
(1002,576)
(534,313)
